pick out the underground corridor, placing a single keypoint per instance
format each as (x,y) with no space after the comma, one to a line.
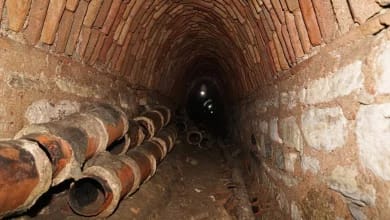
(195,109)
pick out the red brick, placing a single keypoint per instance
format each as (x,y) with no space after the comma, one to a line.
(343,15)
(294,37)
(91,44)
(286,38)
(1,8)
(274,56)
(97,49)
(37,14)
(111,16)
(310,20)
(76,27)
(17,12)
(267,4)
(302,32)
(71,5)
(103,11)
(53,16)
(83,42)
(106,46)
(279,11)
(292,5)
(279,50)
(92,12)
(63,31)
(326,19)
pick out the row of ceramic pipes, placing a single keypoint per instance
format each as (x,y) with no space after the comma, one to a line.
(45,155)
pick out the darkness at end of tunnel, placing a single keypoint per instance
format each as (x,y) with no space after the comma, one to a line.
(206,106)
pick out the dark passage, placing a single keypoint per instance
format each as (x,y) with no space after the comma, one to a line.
(206,107)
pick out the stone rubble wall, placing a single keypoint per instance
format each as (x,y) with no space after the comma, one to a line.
(322,133)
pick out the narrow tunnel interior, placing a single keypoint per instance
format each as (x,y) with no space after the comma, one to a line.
(205,100)
(194,109)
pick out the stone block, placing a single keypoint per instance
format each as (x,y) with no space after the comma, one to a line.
(341,83)
(373,135)
(382,77)
(289,161)
(343,15)
(343,180)
(295,212)
(383,2)
(279,158)
(263,127)
(273,129)
(291,135)
(324,129)
(363,9)
(310,164)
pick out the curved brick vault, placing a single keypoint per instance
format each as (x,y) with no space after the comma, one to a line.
(310,81)
(149,41)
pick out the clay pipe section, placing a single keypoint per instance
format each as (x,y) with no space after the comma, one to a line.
(136,134)
(194,137)
(107,179)
(75,139)
(165,111)
(166,137)
(151,121)
(152,152)
(112,118)
(120,146)
(25,174)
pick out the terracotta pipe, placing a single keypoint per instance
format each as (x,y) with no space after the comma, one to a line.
(145,160)
(75,139)
(135,133)
(25,174)
(155,148)
(114,119)
(152,121)
(66,147)
(120,146)
(194,137)
(166,137)
(165,111)
(107,179)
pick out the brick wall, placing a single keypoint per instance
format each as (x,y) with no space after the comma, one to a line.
(321,133)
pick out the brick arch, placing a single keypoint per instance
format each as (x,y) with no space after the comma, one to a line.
(130,39)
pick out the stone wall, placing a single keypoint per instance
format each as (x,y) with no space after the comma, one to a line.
(321,134)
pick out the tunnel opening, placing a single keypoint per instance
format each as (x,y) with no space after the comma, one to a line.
(206,107)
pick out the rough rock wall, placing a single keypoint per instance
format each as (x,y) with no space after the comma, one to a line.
(321,134)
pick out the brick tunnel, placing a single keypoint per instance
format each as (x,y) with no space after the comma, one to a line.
(294,95)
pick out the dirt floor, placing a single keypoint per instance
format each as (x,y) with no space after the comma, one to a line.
(191,183)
